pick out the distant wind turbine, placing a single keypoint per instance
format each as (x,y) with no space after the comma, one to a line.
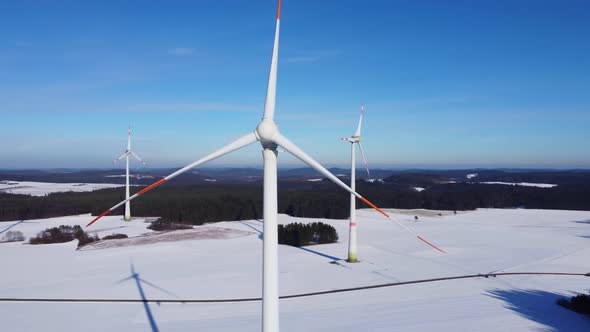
(138,282)
(354,139)
(267,133)
(126,155)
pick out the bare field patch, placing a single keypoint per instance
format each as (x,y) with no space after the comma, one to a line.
(423,213)
(200,233)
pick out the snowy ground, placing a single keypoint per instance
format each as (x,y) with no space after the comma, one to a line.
(230,267)
(137,176)
(44,188)
(524,184)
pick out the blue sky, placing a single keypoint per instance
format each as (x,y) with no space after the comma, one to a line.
(445,83)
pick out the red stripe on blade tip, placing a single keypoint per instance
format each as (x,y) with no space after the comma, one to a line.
(374,207)
(99,216)
(430,244)
(151,186)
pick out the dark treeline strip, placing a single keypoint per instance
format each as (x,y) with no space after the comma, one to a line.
(465,196)
(216,202)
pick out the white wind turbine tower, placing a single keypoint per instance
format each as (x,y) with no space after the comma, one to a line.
(355,139)
(267,133)
(126,155)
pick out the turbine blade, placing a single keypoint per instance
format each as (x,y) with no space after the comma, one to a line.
(364,159)
(158,288)
(297,152)
(271,90)
(404,227)
(235,145)
(137,157)
(121,157)
(123,280)
(358,128)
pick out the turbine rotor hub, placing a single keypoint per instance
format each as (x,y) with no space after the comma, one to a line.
(267,130)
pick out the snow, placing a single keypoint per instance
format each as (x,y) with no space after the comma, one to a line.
(471,176)
(314,180)
(219,267)
(418,189)
(525,184)
(44,188)
(210,180)
(138,176)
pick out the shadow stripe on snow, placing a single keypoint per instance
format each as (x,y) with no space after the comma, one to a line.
(292,296)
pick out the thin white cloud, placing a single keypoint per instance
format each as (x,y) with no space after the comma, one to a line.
(189,107)
(307,56)
(303,59)
(181,51)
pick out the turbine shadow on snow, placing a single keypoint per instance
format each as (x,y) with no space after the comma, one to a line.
(541,307)
(260,236)
(17,223)
(260,233)
(583,222)
(138,282)
(9,227)
(334,258)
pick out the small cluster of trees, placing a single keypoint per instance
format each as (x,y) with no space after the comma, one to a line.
(62,234)
(12,236)
(299,234)
(163,225)
(115,236)
(579,303)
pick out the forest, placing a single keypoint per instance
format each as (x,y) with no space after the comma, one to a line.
(198,204)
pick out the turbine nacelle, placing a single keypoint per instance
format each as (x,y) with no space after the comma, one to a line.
(352,139)
(356,139)
(267,131)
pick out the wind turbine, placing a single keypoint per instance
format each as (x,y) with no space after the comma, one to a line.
(267,133)
(126,155)
(138,282)
(354,139)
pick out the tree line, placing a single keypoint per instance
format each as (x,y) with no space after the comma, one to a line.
(211,203)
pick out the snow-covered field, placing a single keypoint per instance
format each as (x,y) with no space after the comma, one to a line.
(230,267)
(524,184)
(44,188)
(137,176)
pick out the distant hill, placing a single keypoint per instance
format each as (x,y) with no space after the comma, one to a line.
(411,177)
